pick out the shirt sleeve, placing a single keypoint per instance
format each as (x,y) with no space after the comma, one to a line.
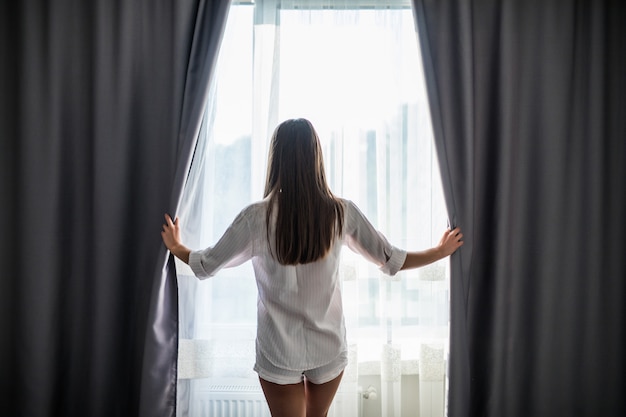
(361,237)
(232,249)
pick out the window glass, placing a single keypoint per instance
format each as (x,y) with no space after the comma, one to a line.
(356,74)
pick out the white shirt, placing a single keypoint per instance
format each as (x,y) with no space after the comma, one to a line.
(300,323)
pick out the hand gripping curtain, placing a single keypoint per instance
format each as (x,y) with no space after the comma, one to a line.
(527,102)
(160,360)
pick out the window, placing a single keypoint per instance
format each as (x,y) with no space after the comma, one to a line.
(353,68)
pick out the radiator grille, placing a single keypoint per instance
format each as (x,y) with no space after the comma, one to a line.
(233,401)
(234,408)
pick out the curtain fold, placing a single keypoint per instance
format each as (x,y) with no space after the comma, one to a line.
(100,104)
(527,101)
(161,344)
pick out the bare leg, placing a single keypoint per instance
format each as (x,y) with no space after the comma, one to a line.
(284,400)
(319,397)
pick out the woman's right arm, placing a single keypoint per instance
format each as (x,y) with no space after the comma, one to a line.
(364,239)
(449,243)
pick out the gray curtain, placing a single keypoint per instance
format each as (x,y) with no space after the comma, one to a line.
(100,104)
(528,106)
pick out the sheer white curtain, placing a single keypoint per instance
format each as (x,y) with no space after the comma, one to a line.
(354,70)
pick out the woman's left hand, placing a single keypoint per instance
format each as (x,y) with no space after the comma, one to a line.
(171,238)
(171,233)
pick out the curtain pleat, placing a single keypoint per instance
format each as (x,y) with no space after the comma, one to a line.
(449,90)
(100,105)
(527,101)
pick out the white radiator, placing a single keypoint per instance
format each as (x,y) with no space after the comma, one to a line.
(248,401)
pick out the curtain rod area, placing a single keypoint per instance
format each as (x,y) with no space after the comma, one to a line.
(329,4)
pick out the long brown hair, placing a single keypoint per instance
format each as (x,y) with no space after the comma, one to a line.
(308,215)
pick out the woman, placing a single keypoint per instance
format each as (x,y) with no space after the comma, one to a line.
(294,237)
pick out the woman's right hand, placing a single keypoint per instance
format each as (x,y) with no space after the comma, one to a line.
(450,241)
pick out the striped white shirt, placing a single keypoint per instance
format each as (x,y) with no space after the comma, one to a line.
(300,322)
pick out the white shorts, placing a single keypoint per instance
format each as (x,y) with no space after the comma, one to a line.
(325,373)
